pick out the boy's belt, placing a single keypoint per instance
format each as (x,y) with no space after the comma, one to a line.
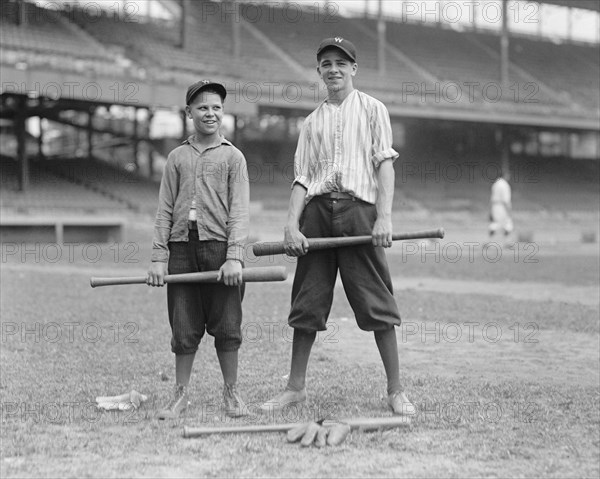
(337,195)
(192,225)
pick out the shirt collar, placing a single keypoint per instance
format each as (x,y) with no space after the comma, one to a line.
(191,140)
(326,101)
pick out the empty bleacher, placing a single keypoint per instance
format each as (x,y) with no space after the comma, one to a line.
(46,30)
(129,190)
(48,192)
(45,39)
(273,36)
(459,58)
(551,184)
(299,35)
(571,69)
(149,44)
(256,60)
(208,50)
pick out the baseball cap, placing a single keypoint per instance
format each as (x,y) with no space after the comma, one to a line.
(345,45)
(197,87)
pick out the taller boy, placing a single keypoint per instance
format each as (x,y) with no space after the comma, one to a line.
(202,225)
(343,186)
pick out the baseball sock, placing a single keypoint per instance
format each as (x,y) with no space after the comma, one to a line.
(388,349)
(183,368)
(228,360)
(302,345)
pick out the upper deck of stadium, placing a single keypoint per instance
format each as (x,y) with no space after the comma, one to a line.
(429,71)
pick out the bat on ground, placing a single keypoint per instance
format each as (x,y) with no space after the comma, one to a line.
(278,247)
(267,273)
(361,424)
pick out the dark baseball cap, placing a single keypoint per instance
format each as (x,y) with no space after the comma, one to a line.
(338,42)
(197,87)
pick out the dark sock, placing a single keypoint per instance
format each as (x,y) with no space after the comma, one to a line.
(302,345)
(228,360)
(183,368)
(388,349)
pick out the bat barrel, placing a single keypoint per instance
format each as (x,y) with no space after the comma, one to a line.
(96,281)
(191,431)
(374,423)
(265,273)
(437,233)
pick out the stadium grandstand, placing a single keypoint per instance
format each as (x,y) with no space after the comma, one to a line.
(92,97)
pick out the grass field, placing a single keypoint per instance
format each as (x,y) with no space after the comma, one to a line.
(500,357)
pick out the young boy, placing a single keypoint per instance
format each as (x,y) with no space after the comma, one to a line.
(344,186)
(202,225)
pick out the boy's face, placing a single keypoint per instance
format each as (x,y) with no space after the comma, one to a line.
(206,111)
(336,70)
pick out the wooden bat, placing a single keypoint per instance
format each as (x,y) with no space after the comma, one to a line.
(361,424)
(267,273)
(277,247)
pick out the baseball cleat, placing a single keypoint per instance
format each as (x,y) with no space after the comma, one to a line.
(178,403)
(400,404)
(233,403)
(286,398)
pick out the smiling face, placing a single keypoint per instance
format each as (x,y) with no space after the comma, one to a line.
(336,70)
(206,111)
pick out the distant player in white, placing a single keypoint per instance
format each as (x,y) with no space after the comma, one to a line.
(500,207)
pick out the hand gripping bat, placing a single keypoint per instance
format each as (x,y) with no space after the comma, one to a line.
(278,247)
(267,273)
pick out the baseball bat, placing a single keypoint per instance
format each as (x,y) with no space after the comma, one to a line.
(267,273)
(277,247)
(361,424)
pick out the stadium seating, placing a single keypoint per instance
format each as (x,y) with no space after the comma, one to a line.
(207,52)
(571,69)
(45,30)
(77,184)
(48,191)
(551,184)
(467,62)
(299,35)
(128,189)
(47,40)
(277,44)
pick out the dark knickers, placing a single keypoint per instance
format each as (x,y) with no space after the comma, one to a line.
(363,269)
(198,307)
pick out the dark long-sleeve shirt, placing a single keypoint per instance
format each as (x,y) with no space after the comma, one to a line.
(217,178)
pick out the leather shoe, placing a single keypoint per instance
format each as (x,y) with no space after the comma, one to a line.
(176,405)
(233,403)
(400,404)
(286,398)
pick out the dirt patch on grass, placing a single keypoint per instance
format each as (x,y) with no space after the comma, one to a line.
(523,290)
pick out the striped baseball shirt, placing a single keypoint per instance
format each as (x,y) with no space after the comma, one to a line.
(341,147)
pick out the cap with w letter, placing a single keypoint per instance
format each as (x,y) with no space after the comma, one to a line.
(338,42)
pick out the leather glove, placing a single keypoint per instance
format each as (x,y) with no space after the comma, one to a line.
(315,433)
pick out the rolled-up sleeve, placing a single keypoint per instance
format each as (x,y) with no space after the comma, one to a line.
(164,214)
(239,198)
(302,157)
(381,129)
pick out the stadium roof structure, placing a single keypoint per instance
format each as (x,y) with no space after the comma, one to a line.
(593,5)
(14,104)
